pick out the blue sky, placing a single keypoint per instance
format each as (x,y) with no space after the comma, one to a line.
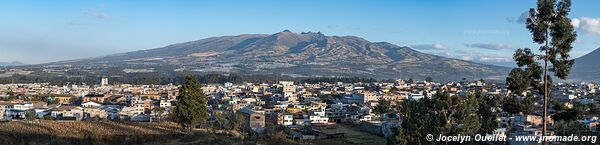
(482,31)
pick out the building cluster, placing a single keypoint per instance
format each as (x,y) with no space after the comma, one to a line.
(304,110)
(81,102)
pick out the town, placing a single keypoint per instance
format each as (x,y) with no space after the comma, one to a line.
(305,111)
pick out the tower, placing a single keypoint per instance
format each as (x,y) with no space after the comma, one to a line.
(104,82)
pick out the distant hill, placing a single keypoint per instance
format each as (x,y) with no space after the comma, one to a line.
(14,63)
(299,54)
(587,67)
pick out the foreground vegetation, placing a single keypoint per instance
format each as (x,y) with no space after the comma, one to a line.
(121,133)
(96,132)
(49,132)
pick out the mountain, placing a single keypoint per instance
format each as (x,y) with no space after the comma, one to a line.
(299,54)
(587,67)
(14,63)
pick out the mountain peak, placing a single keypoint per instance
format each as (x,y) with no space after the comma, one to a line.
(286,30)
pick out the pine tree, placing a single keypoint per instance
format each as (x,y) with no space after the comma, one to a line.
(191,107)
(550,26)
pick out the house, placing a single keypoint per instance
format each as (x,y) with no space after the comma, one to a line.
(62,99)
(165,103)
(285,119)
(152,96)
(357,118)
(533,119)
(4,107)
(18,110)
(317,116)
(112,111)
(91,104)
(148,104)
(95,97)
(368,96)
(129,112)
(416,96)
(67,113)
(41,112)
(94,112)
(253,120)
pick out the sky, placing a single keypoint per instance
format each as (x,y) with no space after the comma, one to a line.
(40,31)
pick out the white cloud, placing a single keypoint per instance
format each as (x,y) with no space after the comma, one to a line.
(490,46)
(97,14)
(466,57)
(575,22)
(493,59)
(586,25)
(430,47)
(521,20)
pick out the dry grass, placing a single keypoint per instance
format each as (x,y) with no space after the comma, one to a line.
(100,128)
(352,136)
(155,133)
(79,132)
(121,133)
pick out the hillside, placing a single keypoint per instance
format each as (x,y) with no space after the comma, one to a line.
(587,67)
(299,55)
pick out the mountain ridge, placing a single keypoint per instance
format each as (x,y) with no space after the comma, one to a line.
(299,54)
(586,67)
(12,63)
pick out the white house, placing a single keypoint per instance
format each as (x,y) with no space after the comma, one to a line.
(416,96)
(91,104)
(288,120)
(129,112)
(67,113)
(17,110)
(94,112)
(317,116)
(4,106)
(165,103)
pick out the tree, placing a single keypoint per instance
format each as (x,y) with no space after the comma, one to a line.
(429,79)
(573,114)
(220,119)
(514,105)
(567,128)
(550,26)
(30,115)
(442,114)
(158,111)
(488,113)
(191,106)
(383,107)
